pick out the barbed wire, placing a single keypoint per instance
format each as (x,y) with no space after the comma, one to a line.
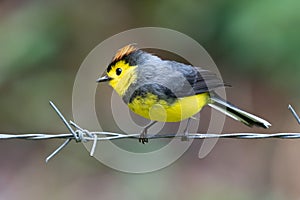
(83,135)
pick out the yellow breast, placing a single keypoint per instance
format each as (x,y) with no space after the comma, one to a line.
(156,109)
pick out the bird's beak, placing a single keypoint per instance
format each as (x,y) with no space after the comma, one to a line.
(104,79)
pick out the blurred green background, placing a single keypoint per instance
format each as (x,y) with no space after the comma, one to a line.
(255,44)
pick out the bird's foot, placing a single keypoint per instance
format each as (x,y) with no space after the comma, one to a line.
(185,136)
(143,137)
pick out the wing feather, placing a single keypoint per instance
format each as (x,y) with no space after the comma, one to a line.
(174,78)
(194,80)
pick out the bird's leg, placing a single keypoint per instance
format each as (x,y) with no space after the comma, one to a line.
(143,136)
(185,136)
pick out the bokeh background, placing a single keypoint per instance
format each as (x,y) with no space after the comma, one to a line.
(255,45)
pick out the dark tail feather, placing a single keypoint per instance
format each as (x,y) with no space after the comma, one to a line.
(232,111)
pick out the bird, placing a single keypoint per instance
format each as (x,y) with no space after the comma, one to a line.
(168,91)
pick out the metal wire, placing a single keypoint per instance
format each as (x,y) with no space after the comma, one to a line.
(107,136)
(82,135)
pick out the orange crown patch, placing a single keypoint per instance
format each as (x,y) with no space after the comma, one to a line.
(124,52)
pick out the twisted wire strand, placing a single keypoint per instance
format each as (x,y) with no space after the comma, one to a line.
(82,135)
(113,136)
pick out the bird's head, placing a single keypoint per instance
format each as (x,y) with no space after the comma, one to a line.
(120,73)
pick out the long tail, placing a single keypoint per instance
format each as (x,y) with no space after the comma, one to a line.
(232,111)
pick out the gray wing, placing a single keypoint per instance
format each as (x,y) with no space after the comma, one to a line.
(182,80)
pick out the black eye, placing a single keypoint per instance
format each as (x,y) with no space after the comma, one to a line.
(118,71)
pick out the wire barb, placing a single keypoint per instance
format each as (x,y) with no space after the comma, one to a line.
(82,135)
(58,150)
(64,120)
(294,113)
